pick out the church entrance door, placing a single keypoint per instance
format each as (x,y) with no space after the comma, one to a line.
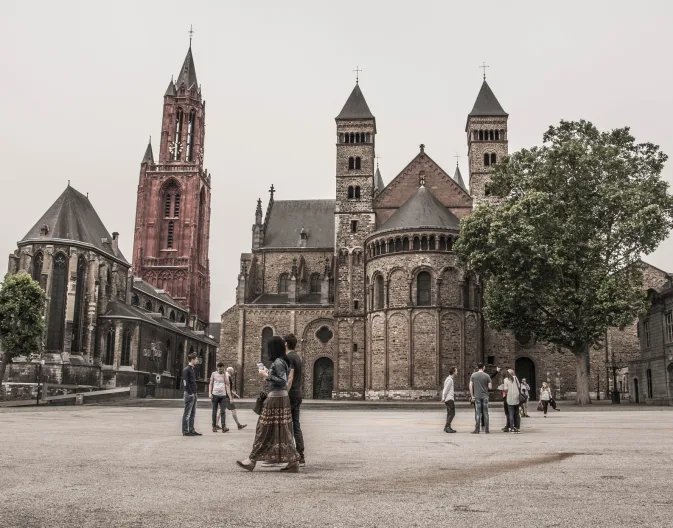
(323,379)
(525,368)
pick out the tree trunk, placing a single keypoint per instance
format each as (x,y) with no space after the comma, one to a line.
(583,368)
(3,366)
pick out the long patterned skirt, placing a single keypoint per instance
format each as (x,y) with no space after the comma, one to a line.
(274,440)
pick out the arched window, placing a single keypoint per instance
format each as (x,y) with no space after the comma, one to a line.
(126,349)
(423,289)
(357,137)
(357,192)
(135,300)
(351,163)
(315,283)
(650,392)
(487,160)
(398,244)
(201,226)
(493,159)
(497,135)
(167,205)
(171,315)
(36,274)
(352,137)
(431,243)
(368,137)
(405,244)
(380,292)
(176,206)
(148,306)
(169,235)
(167,355)
(110,346)
(59,279)
(351,192)
(442,244)
(466,293)
(78,317)
(424,243)
(182,318)
(481,135)
(490,135)
(161,310)
(190,135)
(179,118)
(283,283)
(383,247)
(417,243)
(391,246)
(267,334)
(449,244)
(358,163)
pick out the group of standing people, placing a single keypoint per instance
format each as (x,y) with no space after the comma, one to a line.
(515,395)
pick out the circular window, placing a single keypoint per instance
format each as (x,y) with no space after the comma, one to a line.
(324,334)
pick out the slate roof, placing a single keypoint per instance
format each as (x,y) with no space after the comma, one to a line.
(458,178)
(171,89)
(149,155)
(118,309)
(378,180)
(281,298)
(146,288)
(486,103)
(72,217)
(422,210)
(288,217)
(188,71)
(214,329)
(356,106)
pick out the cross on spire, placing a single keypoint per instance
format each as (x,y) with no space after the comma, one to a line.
(377,160)
(357,71)
(483,67)
(271,191)
(191,34)
(457,156)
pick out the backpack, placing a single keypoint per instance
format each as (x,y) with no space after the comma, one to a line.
(523,396)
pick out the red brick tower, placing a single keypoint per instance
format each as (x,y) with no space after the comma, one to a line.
(170,246)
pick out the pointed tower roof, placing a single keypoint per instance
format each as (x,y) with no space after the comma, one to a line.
(458,178)
(188,71)
(171,89)
(487,104)
(149,156)
(378,180)
(72,218)
(422,210)
(356,106)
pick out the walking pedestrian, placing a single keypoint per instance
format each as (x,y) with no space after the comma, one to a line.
(189,385)
(294,389)
(220,394)
(513,388)
(480,384)
(448,399)
(231,405)
(525,392)
(273,437)
(545,397)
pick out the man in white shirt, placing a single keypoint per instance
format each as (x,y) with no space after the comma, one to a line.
(448,399)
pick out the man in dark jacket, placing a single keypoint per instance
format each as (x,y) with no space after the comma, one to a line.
(189,384)
(294,383)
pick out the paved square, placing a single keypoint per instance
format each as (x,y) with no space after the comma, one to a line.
(122,466)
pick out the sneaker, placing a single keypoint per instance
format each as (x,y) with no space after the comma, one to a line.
(215,429)
(476,431)
(505,429)
(225,429)
(487,431)
(518,431)
(302,461)
(241,426)
(194,433)
(451,430)
(187,434)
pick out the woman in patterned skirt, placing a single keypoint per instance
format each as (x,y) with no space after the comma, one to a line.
(274,441)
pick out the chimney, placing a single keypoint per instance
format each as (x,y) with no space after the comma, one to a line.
(115,241)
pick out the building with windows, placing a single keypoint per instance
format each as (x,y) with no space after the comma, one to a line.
(651,375)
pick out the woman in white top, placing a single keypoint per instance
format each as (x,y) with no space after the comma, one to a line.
(513,388)
(545,397)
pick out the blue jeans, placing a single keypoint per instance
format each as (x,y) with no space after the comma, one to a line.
(188,415)
(514,418)
(481,407)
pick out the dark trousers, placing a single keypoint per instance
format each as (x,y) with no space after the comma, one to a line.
(188,415)
(222,401)
(504,404)
(295,404)
(545,403)
(450,412)
(514,418)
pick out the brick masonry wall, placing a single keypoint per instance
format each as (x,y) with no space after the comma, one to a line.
(274,263)
(479,173)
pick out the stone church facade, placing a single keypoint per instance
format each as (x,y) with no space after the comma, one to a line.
(369,283)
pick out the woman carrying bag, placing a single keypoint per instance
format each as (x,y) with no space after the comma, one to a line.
(545,397)
(274,440)
(513,388)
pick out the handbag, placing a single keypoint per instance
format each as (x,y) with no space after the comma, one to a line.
(259,403)
(540,406)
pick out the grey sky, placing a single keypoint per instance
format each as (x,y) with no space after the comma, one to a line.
(84,82)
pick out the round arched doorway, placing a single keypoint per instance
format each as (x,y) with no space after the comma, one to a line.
(525,369)
(323,378)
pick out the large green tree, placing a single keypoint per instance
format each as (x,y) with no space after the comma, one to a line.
(21,324)
(559,242)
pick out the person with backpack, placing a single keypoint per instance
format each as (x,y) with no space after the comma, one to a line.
(513,389)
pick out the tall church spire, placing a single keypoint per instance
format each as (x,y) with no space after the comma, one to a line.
(187,74)
(487,104)
(356,107)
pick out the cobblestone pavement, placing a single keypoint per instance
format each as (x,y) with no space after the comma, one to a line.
(130,467)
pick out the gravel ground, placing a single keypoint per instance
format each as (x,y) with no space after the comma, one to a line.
(130,467)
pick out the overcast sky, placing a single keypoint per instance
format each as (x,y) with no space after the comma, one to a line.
(84,82)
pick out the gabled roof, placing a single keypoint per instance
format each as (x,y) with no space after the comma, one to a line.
(422,210)
(288,217)
(149,156)
(356,107)
(188,71)
(486,103)
(458,178)
(378,180)
(145,287)
(72,217)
